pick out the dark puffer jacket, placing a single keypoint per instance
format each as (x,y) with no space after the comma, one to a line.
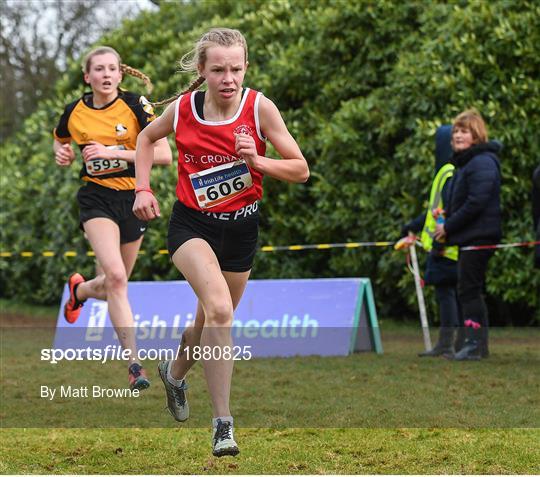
(473,214)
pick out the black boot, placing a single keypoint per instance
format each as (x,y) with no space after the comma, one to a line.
(471,350)
(484,346)
(460,338)
(443,347)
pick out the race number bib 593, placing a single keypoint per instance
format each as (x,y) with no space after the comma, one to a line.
(98,167)
(221,183)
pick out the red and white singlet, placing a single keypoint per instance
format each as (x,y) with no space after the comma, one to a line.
(210,175)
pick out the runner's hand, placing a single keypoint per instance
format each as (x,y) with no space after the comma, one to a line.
(96,150)
(64,156)
(146,206)
(246,149)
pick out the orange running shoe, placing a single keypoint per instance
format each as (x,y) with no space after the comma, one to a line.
(72,308)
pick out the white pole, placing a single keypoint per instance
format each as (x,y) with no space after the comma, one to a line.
(420,296)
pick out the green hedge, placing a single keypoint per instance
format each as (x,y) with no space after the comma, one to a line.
(363,87)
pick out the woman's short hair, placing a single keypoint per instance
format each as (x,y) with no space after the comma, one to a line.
(473,121)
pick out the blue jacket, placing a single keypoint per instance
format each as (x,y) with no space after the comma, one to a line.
(473,214)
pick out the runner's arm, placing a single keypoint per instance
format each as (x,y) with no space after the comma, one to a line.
(293,166)
(96,150)
(146,206)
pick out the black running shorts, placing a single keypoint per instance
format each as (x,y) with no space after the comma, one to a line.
(231,235)
(98,201)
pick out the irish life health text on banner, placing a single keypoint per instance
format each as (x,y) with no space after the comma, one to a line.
(274,318)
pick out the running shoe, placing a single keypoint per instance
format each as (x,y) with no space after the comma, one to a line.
(72,308)
(137,377)
(223,442)
(176,395)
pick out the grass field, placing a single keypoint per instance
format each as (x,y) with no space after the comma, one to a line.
(364,413)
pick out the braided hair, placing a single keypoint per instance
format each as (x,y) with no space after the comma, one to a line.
(192,87)
(137,74)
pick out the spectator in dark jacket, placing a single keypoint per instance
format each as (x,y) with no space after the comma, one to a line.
(441,264)
(473,217)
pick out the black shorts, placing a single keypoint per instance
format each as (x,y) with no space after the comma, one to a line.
(97,201)
(231,235)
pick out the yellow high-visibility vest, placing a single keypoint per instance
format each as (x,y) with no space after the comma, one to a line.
(435,202)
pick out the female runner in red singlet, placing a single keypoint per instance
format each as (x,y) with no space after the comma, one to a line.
(221,139)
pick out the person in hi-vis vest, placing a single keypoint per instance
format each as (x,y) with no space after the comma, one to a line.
(441,265)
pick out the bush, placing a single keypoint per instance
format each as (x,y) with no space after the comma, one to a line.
(362,87)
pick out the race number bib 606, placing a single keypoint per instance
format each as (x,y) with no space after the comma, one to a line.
(221,183)
(98,167)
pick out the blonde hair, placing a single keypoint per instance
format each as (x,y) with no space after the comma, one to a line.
(191,61)
(102,50)
(473,121)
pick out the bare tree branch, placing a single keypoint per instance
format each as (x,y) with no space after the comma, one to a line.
(37,39)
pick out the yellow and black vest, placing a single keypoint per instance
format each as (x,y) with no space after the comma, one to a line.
(435,202)
(116,125)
